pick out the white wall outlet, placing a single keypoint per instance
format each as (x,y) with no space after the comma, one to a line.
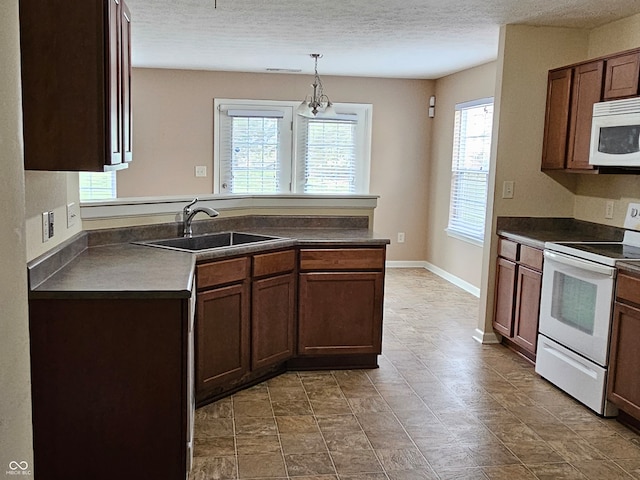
(201,171)
(400,237)
(507,189)
(51,224)
(72,214)
(45,227)
(608,211)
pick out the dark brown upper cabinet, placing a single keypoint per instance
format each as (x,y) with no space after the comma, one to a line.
(571,93)
(76,84)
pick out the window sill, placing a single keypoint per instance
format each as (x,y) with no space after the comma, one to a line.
(464,238)
(149,206)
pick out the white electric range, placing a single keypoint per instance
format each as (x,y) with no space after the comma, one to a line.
(576,306)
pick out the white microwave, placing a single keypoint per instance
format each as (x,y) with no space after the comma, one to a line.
(615,134)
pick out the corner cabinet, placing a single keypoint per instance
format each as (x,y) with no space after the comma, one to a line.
(76,84)
(517,300)
(571,93)
(623,388)
(340,306)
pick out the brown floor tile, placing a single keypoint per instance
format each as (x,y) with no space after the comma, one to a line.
(220,409)
(375,422)
(303,443)
(297,424)
(534,451)
(472,473)
(556,471)
(394,440)
(491,455)
(357,461)
(293,407)
(601,469)
(336,406)
(368,404)
(214,446)
(630,466)
(206,468)
(255,426)
(359,391)
(252,408)
(338,423)
(346,441)
(575,450)
(445,457)
(213,427)
(509,472)
(324,393)
(401,459)
(616,448)
(288,394)
(261,466)
(421,474)
(289,379)
(256,444)
(309,464)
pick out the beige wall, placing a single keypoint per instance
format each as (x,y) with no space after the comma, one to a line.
(173,118)
(525,55)
(592,192)
(459,258)
(15,396)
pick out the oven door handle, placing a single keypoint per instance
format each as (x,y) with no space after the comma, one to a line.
(581,264)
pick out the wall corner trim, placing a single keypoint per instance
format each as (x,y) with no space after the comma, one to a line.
(485,338)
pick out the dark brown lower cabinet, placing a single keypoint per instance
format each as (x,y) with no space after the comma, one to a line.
(517,296)
(623,388)
(222,333)
(273,320)
(339,313)
(110,388)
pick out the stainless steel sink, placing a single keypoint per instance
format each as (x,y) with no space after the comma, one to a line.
(208,241)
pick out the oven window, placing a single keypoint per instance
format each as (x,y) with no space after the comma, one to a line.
(574,302)
(619,140)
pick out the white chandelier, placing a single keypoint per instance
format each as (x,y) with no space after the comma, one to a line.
(318,102)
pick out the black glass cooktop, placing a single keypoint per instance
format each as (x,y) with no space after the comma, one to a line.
(618,251)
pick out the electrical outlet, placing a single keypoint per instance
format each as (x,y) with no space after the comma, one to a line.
(400,237)
(507,189)
(201,171)
(72,214)
(45,227)
(608,211)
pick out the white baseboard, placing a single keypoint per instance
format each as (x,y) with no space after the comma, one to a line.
(486,338)
(458,282)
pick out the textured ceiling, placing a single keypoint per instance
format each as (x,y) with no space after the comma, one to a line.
(378,38)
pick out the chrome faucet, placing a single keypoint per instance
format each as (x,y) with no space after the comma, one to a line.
(188,213)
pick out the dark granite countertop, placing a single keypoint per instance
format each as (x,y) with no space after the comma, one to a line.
(84,268)
(534,232)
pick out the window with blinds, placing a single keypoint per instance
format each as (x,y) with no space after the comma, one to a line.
(261,147)
(97,186)
(470,169)
(327,155)
(254,158)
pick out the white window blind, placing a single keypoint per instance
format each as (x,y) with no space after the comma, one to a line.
(97,186)
(327,155)
(470,168)
(254,150)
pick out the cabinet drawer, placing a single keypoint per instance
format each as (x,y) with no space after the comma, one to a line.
(272,263)
(508,249)
(342,259)
(219,273)
(531,257)
(628,288)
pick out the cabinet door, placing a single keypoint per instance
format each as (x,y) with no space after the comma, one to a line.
(525,331)
(621,78)
(272,320)
(127,111)
(623,388)
(222,337)
(340,313)
(556,124)
(505,296)
(586,90)
(115,82)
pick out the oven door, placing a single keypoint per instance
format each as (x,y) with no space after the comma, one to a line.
(576,303)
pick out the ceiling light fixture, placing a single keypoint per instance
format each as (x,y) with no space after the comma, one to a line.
(318,102)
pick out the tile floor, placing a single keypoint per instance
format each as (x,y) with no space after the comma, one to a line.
(441,406)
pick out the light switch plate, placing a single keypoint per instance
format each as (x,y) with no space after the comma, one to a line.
(507,189)
(608,211)
(72,214)
(201,171)
(45,227)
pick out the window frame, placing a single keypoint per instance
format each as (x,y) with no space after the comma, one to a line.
(363,140)
(114,186)
(453,230)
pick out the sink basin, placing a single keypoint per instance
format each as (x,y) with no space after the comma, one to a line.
(208,241)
